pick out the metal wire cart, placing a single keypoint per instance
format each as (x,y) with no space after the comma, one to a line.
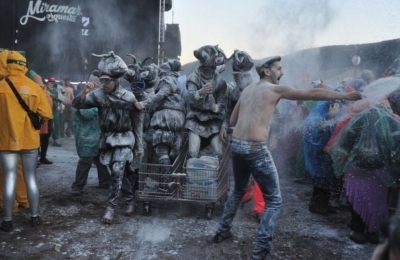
(177,182)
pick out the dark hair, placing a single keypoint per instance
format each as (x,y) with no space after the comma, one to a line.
(67,79)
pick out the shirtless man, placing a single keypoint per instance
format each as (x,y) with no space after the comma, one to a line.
(250,155)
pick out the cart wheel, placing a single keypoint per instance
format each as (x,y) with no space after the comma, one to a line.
(209,211)
(147,208)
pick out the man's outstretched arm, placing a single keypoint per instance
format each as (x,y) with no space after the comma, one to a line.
(314,94)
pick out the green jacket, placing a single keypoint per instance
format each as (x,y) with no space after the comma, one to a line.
(87,132)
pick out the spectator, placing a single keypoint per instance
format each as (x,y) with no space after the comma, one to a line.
(87,138)
(67,113)
(56,94)
(46,130)
(18,138)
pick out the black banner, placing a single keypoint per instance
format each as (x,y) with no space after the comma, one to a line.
(59,36)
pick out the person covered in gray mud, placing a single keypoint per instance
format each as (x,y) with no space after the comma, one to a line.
(168,118)
(250,155)
(207,100)
(120,125)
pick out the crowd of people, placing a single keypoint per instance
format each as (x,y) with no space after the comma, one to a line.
(346,145)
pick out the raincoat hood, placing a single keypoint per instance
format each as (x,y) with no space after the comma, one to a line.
(16,63)
(3,64)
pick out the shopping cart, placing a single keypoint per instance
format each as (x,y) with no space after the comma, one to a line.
(206,185)
(160,182)
(176,182)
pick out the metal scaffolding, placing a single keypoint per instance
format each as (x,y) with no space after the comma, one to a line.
(161,32)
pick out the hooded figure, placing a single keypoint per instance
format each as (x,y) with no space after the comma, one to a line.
(169,113)
(242,65)
(120,125)
(207,100)
(317,129)
(18,137)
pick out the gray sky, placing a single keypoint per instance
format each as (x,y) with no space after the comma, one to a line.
(265,27)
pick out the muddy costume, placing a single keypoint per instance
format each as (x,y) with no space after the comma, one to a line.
(366,153)
(18,137)
(121,128)
(201,121)
(169,114)
(317,129)
(242,65)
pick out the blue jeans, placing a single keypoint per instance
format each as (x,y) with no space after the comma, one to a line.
(254,158)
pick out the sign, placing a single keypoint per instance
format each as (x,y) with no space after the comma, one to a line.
(42,11)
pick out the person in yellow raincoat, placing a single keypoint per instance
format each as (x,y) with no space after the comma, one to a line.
(18,138)
(21,199)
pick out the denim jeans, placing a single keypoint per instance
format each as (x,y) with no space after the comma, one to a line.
(255,159)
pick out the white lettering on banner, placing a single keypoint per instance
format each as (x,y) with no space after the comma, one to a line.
(85,32)
(85,21)
(53,13)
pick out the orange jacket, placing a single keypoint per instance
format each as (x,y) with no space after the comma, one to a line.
(16,130)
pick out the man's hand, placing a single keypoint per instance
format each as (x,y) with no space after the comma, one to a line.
(215,108)
(353,96)
(88,87)
(139,105)
(206,89)
(223,134)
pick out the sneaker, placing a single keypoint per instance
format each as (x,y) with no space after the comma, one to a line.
(108,216)
(57,144)
(76,192)
(35,221)
(6,226)
(130,209)
(260,255)
(358,237)
(45,161)
(222,235)
(316,206)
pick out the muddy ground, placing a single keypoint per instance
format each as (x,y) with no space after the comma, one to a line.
(72,228)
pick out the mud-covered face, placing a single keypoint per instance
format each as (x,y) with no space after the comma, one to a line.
(108,84)
(149,73)
(207,72)
(242,61)
(209,55)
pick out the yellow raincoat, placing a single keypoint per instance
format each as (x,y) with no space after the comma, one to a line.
(17,132)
